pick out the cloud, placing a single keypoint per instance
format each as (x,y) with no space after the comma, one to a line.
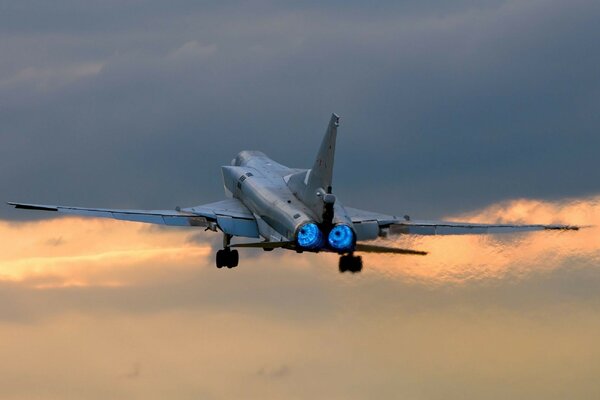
(279,372)
(460,259)
(474,314)
(437,90)
(193,49)
(450,105)
(126,267)
(49,78)
(107,253)
(88,252)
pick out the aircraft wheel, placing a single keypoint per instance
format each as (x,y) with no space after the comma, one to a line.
(356,264)
(350,263)
(234,258)
(227,258)
(344,263)
(221,259)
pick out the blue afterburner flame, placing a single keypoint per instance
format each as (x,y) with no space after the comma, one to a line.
(341,238)
(309,236)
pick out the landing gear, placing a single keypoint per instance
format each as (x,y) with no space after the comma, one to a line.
(350,263)
(227,257)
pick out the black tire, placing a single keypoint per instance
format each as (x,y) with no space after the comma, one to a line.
(234,258)
(343,264)
(356,264)
(231,258)
(220,259)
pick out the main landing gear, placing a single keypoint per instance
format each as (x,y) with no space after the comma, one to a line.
(227,257)
(350,263)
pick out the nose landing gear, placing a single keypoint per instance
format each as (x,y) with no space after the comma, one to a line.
(350,263)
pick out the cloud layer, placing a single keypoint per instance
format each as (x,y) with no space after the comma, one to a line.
(77,251)
(98,308)
(446,107)
(138,104)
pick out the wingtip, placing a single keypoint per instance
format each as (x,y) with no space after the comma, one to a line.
(576,228)
(25,206)
(566,227)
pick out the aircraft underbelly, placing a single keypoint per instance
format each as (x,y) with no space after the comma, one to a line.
(238,226)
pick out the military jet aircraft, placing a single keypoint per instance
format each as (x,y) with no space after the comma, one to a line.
(293,209)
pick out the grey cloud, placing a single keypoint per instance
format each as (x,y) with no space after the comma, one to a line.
(278,372)
(475,102)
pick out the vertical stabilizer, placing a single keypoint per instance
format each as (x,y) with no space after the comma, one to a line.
(313,186)
(321,174)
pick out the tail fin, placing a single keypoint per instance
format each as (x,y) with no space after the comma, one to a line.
(321,174)
(309,185)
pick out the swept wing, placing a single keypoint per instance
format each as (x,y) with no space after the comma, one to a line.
(230,215)
(398,226)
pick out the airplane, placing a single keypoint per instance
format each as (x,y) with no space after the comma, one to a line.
(293,209)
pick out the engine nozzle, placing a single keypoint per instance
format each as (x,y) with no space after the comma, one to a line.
(341,238)
(309,236)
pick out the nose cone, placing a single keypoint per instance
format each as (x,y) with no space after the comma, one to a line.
(309,236)
(341,238)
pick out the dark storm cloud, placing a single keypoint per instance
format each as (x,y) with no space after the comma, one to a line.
(137,104)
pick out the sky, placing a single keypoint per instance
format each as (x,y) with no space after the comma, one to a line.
(475,110)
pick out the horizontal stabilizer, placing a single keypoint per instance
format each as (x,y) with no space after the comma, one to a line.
(265,245)
(371,248)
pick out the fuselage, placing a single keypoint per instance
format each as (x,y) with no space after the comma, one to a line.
(261,184)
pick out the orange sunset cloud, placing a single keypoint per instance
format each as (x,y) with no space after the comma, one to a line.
(458,259)
(78,252)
